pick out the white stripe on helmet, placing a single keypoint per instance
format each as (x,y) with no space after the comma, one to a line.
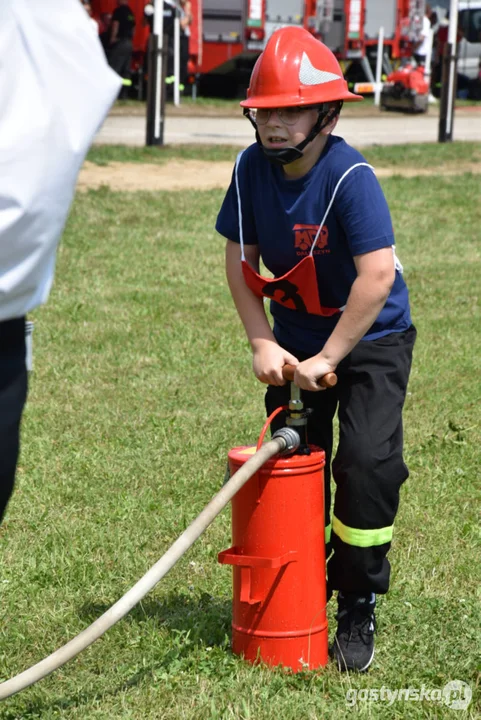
(309,75)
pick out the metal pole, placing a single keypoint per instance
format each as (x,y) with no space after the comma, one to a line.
(449,76)
(177,56)
(380,51)
(155,104)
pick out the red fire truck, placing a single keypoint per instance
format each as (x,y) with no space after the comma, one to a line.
(228,35)
(351,29)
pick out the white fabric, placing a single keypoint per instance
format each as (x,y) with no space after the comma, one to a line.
(397,263)
(422,49)
(55,90)
(239,204)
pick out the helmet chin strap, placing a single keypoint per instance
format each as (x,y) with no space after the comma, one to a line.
(287,155)
(283,156)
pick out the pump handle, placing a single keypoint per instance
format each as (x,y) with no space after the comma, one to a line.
(327,381)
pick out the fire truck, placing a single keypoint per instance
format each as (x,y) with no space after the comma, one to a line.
(227,36)
(351,29)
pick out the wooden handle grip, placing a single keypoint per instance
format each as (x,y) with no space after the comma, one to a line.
(327,381)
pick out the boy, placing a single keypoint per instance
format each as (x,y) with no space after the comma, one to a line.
(311,207)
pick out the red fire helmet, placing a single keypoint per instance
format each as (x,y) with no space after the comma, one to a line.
(296,69)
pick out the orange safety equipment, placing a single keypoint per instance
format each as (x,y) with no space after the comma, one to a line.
(278,559)
(296,69)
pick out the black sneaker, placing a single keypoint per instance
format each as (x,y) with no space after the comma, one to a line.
(353,646)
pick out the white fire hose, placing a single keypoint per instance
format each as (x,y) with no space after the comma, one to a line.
(284,441)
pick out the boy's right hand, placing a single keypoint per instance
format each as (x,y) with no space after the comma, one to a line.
(268,361)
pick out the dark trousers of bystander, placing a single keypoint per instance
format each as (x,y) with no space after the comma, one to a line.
(368,468)
(184,59)
(120,57)
(420,59)
(13,394)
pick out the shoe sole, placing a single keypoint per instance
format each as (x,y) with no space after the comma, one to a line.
(342,666)
(366,666)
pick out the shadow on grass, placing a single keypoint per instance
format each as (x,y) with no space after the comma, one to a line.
(205,618)
(192,622)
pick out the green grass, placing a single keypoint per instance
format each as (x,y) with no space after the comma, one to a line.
(418,155)
(142,383)
(103,154)
(187,101)
(424,155)
(230,107)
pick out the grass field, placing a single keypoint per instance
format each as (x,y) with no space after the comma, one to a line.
(434,156)
(142,382)
(230,108)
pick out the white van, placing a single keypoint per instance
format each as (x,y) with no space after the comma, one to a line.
(469,51)
(469,24)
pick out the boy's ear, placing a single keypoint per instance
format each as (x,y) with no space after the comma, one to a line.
(331,126)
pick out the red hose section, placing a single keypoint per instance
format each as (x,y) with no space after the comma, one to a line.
(268,422)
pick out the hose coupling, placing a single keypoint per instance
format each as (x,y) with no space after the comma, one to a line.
(291,438)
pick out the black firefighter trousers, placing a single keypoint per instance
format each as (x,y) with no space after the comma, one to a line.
(13,393)
(368,468)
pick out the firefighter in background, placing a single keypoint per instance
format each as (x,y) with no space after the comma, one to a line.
(185,23)
(168,19)
(105,23)
(121,34)
(168,30)
(311,207)
(184,8)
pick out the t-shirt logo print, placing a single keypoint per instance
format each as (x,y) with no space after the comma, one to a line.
(304,236)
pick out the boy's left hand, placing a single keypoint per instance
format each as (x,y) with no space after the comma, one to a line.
(309,372)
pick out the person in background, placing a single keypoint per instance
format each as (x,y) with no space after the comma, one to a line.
(41,156)
(185,23)
(168,27)
(464,85)
(168,19)
(168,39)
(105,28)
(121,34)
(422,46)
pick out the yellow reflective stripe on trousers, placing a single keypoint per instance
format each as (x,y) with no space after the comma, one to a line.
(327,533)
(361,538)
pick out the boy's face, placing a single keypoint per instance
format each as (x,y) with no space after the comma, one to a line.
(288,128)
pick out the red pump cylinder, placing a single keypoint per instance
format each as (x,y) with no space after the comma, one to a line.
(278,558)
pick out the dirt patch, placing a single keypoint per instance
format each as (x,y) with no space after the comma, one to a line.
(203,175)
(173,175)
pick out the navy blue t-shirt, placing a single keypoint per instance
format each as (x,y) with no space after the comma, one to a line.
(282,216)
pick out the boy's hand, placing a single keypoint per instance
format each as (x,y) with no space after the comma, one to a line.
(309,372)
(268,361)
